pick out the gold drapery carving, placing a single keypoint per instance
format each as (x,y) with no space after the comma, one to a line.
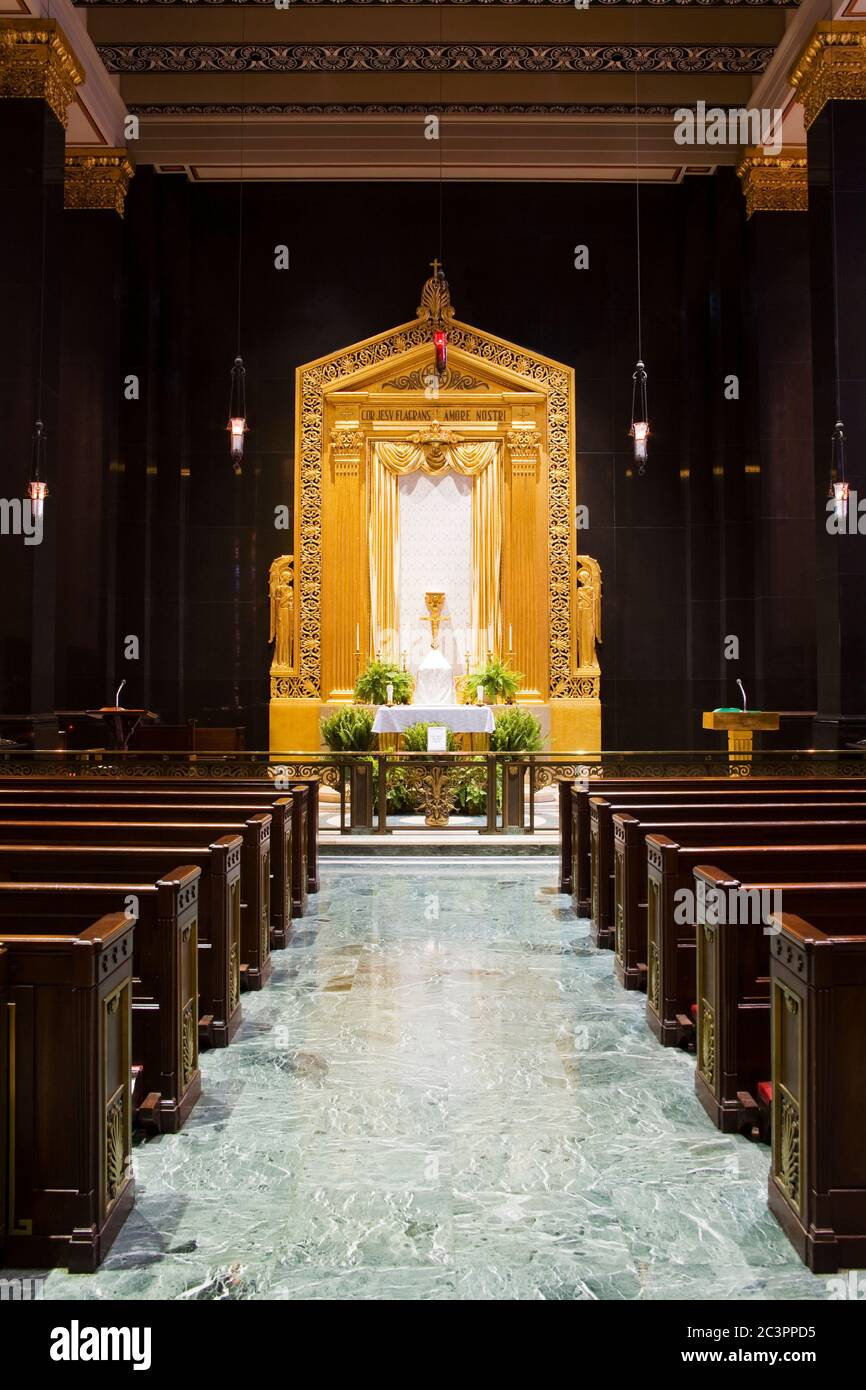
(384,512)
(486,605)
(436,450)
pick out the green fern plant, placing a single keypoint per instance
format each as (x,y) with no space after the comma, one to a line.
(517,731)
(350,730)
(497,679)
(372,684)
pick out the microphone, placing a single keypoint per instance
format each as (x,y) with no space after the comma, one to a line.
(743,693)
(117,696)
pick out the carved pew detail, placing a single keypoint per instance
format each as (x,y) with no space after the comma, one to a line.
(817,1184)
(165,980)
(69,1013)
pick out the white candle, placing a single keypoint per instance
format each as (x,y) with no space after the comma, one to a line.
(389,693)
(510,646)
(481,694)
(357,637)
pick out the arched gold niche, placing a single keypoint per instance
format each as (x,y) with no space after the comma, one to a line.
(386,389)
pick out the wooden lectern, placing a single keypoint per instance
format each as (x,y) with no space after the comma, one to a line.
(740,726)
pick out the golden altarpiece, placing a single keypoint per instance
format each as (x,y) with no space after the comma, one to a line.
(496,413)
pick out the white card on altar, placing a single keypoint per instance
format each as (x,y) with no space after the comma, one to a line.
(436,739)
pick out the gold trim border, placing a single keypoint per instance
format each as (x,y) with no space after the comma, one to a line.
(774,182)
(832,67)
(345,369)
(37,62)
(96,180)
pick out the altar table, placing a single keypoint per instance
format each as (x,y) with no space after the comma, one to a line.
(461,719)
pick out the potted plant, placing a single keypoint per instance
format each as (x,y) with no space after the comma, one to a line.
(517,731)
(497,680)
(372,684)
(350,730)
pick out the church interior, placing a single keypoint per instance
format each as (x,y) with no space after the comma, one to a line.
(432,715)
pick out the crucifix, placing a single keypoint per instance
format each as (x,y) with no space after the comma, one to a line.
(436,266)
(435,603)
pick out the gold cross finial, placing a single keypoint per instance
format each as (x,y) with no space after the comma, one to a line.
(436,265)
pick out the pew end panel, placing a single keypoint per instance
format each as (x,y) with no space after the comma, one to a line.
(670,953)
(817,1184)
(629,903)
(4,1095)
(566,851)
(70,1106)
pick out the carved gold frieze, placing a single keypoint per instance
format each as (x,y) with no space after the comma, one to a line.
(37,61)
(832,67)
(775,182)
(96,180)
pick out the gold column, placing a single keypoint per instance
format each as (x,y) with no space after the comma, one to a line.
(832,67)
(37,62)
(775,182)
(96,180)
(525,609)
(345,577)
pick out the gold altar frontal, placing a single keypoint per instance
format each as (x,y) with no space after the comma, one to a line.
(388,389)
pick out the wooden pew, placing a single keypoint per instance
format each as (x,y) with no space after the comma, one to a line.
(817,1185)
(4,1095)
(671,980)
(219,926)
(690,807)
(656,789)
(260,793)
(290,868)
(70,1108)
(165,973)
(255,864)
(699,826)
(733,985)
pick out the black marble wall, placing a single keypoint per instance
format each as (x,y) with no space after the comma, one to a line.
(679,549)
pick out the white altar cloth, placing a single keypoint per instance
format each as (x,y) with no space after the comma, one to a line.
(461,719)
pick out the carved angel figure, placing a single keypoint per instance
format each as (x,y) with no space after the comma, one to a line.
(282,620)
(588,611)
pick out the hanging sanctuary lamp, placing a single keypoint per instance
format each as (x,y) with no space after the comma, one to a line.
(37,486)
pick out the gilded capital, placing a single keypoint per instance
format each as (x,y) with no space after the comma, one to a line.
(775,182)
(37,62)
(96,179)
(347,446)
(524,446)
(832,67)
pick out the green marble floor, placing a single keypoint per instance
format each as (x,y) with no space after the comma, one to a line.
(443,1094)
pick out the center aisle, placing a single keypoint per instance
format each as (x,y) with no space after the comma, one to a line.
(444,1094)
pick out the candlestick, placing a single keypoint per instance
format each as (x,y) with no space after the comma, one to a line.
(481,694)
(389,693)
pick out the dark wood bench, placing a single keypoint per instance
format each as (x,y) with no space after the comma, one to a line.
(671,982)
(165,1008)
(292,875)
(576,794)
(259,794)
(732,989)
(693,826)
(255,863)
(219,927)
(817,1184)
(689,806)
(70,1184)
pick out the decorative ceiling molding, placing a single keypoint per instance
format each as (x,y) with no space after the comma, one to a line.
(832,67)
(37,61)
(483,58)
(774,182)
(395,108)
